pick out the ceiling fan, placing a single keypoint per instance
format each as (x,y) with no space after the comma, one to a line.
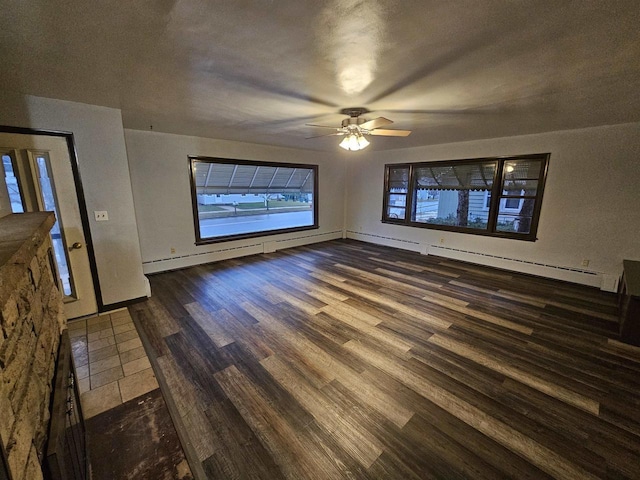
(355,129)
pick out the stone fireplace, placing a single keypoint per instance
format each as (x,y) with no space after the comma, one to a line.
(31,323)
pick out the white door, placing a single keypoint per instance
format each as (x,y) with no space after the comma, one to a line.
(38,169)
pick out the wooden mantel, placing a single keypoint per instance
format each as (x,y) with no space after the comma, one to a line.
(20,236)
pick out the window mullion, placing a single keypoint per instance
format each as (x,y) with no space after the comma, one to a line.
(496,190)
(411,194)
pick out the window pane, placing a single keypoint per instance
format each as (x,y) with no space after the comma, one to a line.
(523,168)
(458,208)
(49,203)
(396,212)
(521,177)
(478,176)
(398,200)
(515,223)
(518,218)
(398,180)
(512,203)
(13,187)
(518,187)
(396,206)
(243,199)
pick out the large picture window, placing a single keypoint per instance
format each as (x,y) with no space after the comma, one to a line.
(235,199)
(489,196)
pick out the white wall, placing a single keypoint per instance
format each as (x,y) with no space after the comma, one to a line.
(162,196)
(590,210)
(102,160)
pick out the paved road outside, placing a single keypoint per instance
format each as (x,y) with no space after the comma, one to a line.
(219,227)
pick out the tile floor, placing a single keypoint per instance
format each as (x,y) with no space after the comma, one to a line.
(111,364)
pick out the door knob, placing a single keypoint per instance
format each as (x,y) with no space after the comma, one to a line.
(76,246)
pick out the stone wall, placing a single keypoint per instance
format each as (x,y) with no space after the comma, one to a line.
(31,321)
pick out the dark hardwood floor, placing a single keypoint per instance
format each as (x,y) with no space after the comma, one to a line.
(351,360)
(136,440)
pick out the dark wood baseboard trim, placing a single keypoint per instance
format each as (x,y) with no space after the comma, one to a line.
(124,304)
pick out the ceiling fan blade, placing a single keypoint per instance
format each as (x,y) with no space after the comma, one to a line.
(320,126)
(375,123)
(390,133)
(325,135)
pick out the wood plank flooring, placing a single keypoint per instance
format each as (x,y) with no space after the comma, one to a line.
(136,440)
(351,360)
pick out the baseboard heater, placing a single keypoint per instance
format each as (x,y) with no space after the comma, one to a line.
(604,281)
(385,240)
(199,254)
(558,272)
(184,261)
(66,455)
(225,253)
(299,240)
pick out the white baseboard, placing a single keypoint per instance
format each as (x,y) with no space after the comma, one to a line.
(220,252)
(387,241)
(307,239)
(557,272)
(165,264)
(601,280)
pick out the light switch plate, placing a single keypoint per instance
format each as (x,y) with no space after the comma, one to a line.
(101,216)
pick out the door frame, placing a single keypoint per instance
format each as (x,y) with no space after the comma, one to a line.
(84,215)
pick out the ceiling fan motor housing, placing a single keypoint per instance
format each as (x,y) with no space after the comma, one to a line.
(352,121)
(354,111)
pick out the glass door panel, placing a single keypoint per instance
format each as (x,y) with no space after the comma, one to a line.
(48,202)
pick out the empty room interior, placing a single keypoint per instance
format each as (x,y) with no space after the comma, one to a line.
(330,239)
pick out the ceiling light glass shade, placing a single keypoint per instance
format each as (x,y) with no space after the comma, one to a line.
(354,142)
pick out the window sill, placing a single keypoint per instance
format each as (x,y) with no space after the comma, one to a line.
(243,236)
(527,237)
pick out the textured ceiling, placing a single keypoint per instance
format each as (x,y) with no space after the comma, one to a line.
(258,70)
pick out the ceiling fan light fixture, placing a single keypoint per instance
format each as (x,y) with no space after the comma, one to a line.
(355,129)
(354,142)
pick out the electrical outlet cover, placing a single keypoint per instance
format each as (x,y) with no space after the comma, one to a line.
(101,215)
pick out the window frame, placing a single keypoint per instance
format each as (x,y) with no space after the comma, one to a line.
(192,159)
(387,192)
(496,193)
